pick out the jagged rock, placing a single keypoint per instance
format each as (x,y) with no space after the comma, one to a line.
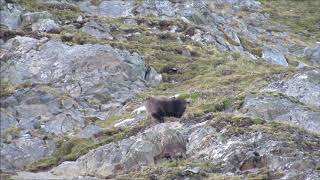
(313,54)
(33,17)
(255,149)
(283,109)
(164,7)
(39,107)
(64,62)
(45,25)
(304,86)
(97,30)
(244,4)
(194,170)
(153,77)
(125,155)
(10,15)
(274,56)
(7,121)
(115,8)
(20,45)
(89,131)
(88,8)
(79,19)
(26,150)
(56,86)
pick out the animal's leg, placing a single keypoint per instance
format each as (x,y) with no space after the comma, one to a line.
(158,117)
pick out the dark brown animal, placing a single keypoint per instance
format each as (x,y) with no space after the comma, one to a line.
(171,152)
(160,107)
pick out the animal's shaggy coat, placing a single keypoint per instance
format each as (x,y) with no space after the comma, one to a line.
(160,107)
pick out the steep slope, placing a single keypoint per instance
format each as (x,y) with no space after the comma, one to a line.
(73,72)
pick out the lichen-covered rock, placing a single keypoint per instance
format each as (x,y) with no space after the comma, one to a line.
(89,131)
(283,109)
(256,149)
(314,54)
(126,155)
(45,25)
(115,8)
(54,87)
(97,30)
(235,145)
(274,56)
(33,17)
(303,85)
(27,149)
(10,15)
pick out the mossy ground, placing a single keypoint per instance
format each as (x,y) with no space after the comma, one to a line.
(301,16)
(61,14)
(70,149)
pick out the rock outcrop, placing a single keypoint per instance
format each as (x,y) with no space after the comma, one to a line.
(54,87)
(73,74)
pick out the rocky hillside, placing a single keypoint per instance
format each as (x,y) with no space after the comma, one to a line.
(75,74)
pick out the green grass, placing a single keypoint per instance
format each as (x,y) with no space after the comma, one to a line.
(61,14)
(301,16)
(70,149)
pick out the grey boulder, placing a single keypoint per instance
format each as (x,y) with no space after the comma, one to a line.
(126,155)
(282,109)
(97,30)
(45,25)
(304,85)
(10,15)
(274,56)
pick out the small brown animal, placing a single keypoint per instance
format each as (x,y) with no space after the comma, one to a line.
(160,107)
(171,151)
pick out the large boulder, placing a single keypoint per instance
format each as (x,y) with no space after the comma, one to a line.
(248,147)
(274,56)
(281,108)
(97,30)
(45,25)
(10,15)
(52,87)
(314,54)
(303,85)
(128,154)
(25,150)
(33,17)
(116,8)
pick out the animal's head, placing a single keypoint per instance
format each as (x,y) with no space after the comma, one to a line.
(148,98)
